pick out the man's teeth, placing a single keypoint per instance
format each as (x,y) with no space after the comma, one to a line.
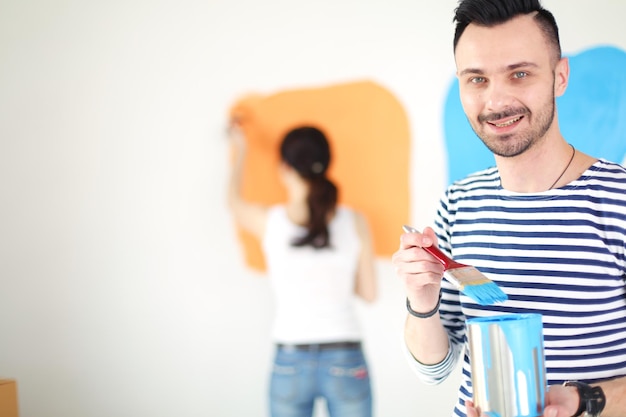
(509,123)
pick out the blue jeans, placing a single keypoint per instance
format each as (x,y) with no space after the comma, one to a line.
(340,376)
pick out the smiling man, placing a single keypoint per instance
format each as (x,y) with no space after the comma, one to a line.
(509,76)
(547,223)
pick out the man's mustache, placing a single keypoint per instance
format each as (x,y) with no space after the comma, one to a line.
(502,115)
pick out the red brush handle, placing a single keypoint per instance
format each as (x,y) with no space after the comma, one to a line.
(443,258)
(434,251)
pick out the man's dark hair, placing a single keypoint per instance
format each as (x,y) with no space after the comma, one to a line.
(494,12)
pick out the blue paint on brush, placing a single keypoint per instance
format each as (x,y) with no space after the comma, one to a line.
(469,280)
(485,294)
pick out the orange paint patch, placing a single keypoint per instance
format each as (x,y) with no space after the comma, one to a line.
(369,136)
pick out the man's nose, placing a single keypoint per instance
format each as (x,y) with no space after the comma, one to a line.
(498,95)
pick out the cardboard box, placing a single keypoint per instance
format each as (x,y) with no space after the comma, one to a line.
(8,398)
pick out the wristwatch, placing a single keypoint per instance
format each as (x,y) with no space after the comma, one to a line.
(592,399)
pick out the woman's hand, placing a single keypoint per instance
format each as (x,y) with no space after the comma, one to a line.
(249,215)
(235,135)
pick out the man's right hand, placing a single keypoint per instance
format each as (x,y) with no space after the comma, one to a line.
(420,272)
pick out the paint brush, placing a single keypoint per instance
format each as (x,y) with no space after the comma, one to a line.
(466,278)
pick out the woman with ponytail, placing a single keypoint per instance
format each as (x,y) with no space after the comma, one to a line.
(319,256)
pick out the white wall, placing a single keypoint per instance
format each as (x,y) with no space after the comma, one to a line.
(122,287)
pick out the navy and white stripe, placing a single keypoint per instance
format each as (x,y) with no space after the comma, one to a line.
(560,253)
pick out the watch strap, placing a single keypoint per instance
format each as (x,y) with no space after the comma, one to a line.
(592,399)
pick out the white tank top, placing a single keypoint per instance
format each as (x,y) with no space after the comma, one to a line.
(313,288)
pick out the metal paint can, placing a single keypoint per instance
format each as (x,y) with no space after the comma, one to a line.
(508,365)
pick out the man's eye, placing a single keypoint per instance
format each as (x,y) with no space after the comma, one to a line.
(477,80)
(520,74)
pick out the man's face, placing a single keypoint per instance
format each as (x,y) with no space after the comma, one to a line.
(508,80)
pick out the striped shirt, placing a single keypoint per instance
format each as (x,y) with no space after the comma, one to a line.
(560,253)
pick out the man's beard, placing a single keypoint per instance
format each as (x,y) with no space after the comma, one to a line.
(514,144)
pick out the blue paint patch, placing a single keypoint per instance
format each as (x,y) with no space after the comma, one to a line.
(592,113)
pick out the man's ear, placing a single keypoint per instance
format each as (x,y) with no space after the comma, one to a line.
(561,76)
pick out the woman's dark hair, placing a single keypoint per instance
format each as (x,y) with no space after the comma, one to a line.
(306,150)
(494,12)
